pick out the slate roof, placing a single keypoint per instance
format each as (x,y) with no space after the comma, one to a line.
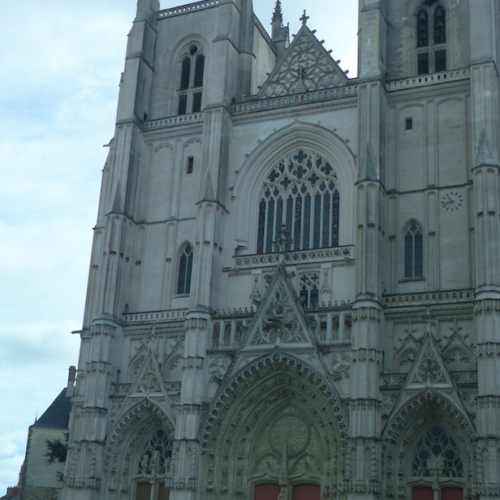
(56,416)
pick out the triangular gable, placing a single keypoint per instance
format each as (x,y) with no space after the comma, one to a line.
(306,66)
(429,372)
(279,320)
(429,368)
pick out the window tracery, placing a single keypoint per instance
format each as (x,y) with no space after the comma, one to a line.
(301,194)
(309,289)
(190,93)
(431,39)
(185,271)
(437,453)
(153,466)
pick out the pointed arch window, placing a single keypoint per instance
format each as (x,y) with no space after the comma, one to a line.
(431,39)
(185,271)
(301,194)
(437,459)
(190,92)
(153,466)
(413,252)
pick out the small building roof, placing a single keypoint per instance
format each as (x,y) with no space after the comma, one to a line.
(56,416)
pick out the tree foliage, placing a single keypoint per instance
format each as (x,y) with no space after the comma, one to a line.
(56,452)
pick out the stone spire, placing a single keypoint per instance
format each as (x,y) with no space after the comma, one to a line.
(281,36)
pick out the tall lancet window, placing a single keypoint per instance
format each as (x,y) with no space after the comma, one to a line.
(190,92)
(153,466)
(431,38)
(301,194)
(413,251)
(185,271)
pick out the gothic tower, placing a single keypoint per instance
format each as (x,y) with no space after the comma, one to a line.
(294,289)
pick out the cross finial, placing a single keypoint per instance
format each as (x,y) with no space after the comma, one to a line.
(304,18)
(282,241)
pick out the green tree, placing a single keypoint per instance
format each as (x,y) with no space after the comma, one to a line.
(57,452)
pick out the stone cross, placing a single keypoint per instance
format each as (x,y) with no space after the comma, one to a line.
(304,18)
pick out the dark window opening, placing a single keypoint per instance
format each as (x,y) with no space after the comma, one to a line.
(197,102)
(199,70)
(193,49)
(422,28)
(186,71)
(440,60)
(439,25)
(190,165)
(423,63)
(182,104)
(185,271)
(409,124)
(413,252)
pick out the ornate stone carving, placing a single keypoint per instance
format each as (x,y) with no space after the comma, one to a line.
(366,313)
(367,355)
(305,67)
(218,368)
(487,350)
(101,329)
(341,365)
(487,305)
(192,362)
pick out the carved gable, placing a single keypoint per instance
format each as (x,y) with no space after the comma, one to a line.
(305,67)
(279,319)
(429,368)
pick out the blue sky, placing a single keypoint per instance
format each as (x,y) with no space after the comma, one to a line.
(61,64)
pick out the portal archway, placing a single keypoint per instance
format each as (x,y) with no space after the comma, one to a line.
(276,422)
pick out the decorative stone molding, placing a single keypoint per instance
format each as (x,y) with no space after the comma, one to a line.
(189,410)
(100,367)
(392,380)
(488,402)
(197,324)
(192,362)
(405,425)
(487,305)
(339,254)
(278,362)
(424,297)
(170,315)
(80,482)
(366,313)
(364,404)
(487,350)
(367,355)
(101,329)
(128,424)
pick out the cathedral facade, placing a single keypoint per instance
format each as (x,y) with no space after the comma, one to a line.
(294,288)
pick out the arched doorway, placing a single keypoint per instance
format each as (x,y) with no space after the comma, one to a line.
(277,431)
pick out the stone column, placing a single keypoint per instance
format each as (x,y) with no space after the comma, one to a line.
(486,184)
(364,481)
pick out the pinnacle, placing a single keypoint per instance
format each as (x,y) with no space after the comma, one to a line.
(278,13)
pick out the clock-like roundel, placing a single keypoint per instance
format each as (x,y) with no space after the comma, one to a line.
(452,201)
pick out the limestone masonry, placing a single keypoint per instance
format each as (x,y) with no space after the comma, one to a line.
(294,288)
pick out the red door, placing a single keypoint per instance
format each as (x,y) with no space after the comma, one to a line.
(452,494)
(423,494)
(306,492)
(267,491)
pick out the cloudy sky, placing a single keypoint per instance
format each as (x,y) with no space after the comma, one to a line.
(61,63)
